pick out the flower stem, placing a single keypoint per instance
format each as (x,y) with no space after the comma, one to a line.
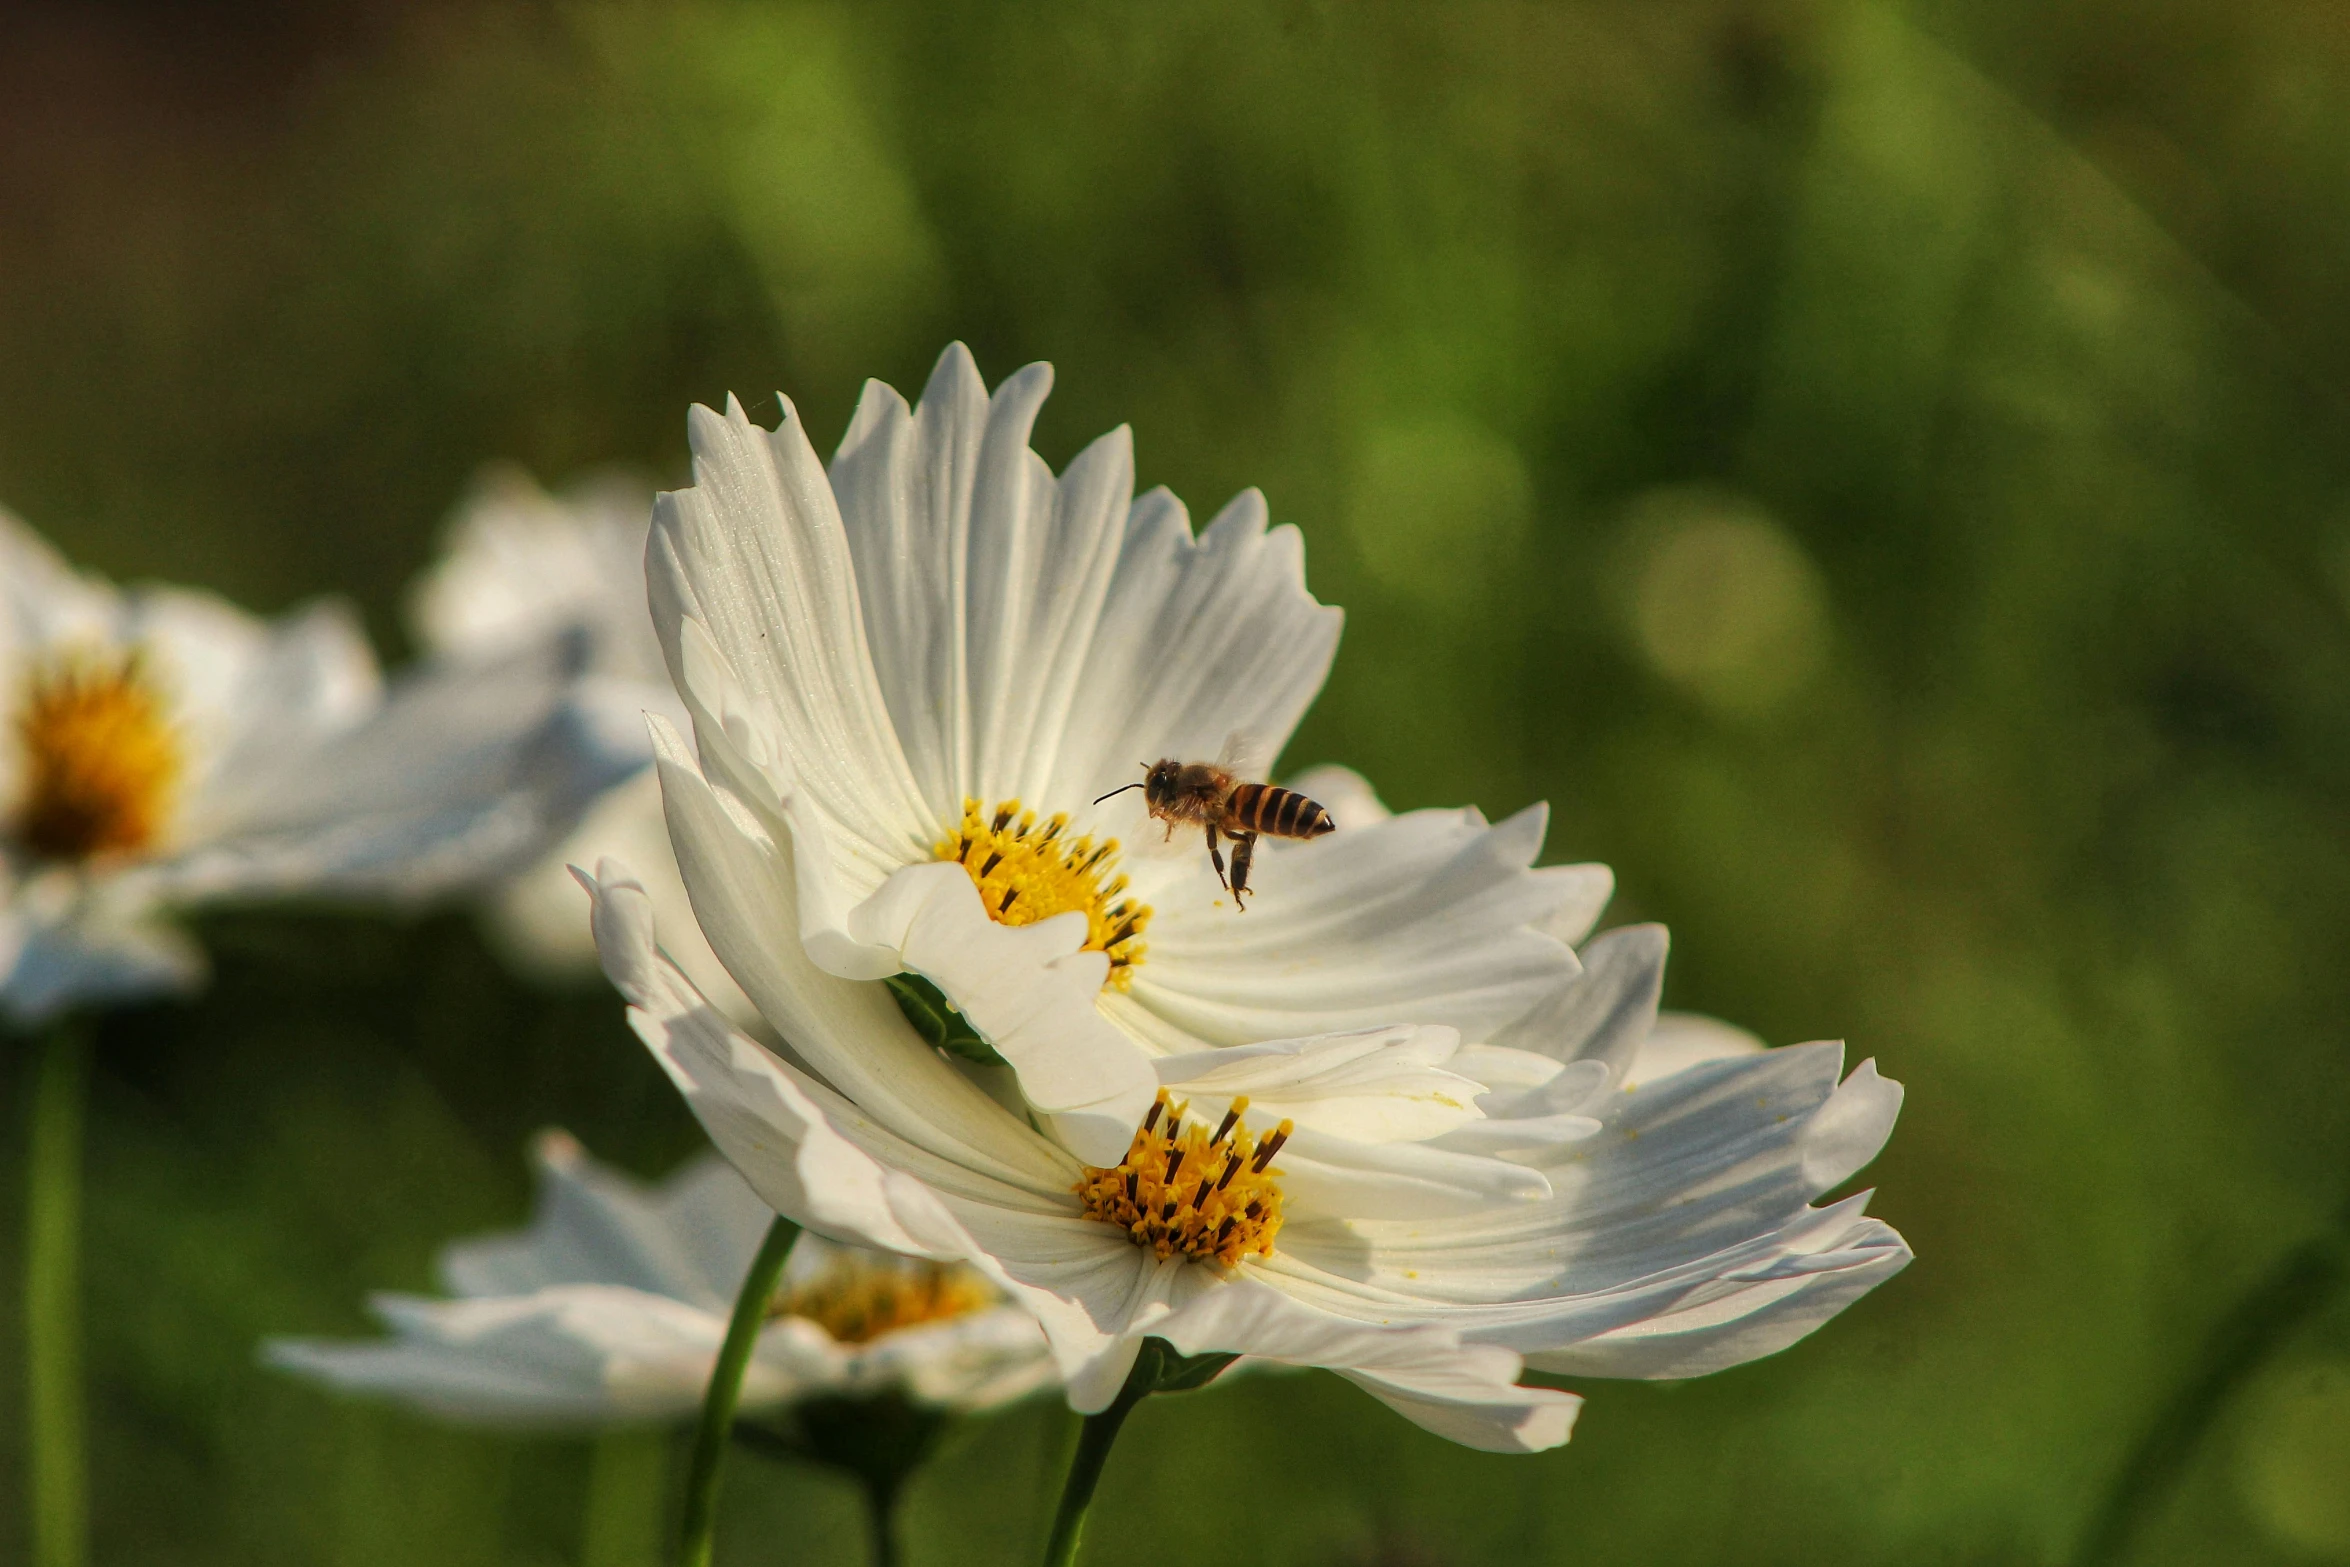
(2238,1346)
(881,1502)
(726,1387)
(1158,1368)
(1085,1472)
(52,1301)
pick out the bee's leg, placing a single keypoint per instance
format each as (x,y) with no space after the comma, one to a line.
(1216,855)
(1242,849)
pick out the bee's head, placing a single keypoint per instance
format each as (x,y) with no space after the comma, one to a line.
(1158,781)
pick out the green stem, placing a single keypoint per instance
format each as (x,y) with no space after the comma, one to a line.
(1158,1368)
(881,1501)
(2238,1346)
(1085,1471)
(52,1302)
(726,1388)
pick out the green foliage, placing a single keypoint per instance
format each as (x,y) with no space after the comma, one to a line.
(1879,474)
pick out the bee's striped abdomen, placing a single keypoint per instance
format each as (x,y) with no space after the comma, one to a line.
(1279,813)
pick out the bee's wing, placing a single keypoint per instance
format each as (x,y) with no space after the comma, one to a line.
(1244,757)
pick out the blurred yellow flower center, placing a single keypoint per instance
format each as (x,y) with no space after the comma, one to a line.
(1028,872)
(1182,1188)
(858,1299)
(100,759)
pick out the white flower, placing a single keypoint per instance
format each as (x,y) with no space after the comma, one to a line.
(610,1309)
(1451,1215)
(164,749)
(522,572)
(916,673)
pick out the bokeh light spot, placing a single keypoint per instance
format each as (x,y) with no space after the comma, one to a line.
(1721,601)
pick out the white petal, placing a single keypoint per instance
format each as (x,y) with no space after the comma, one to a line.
(755,553)
(520,565)
(1029,990)
(1431,917)
(814,1156)
(1462,1391)
(1194,641)
(1324,1176)
(460,774)
(1603,1014)
(1346,794)
(903,483)
(690,1238)
(1850,1129)
(853,1034)
(1825,1268)
(1378,1085)
(1679,1040)
(569,1357)
(539,920)
(1494,1417)
(100,959)
(1689,1210)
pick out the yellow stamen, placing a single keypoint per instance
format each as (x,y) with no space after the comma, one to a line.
(1028,872)
(100,759)
(1184,1189)
(858,1298)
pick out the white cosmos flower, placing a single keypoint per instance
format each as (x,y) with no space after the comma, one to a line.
(921,668)
(610,1309)
(1441,1216)
(165,749)
(525,571)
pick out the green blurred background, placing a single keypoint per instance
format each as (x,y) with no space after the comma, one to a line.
(1879,472)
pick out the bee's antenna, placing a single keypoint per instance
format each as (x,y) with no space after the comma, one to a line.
(1118,791)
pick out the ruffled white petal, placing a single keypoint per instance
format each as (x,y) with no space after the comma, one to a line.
(1603,1016)
(1037,635)
(1696,1190)
(1379,1085)
(1434,917)
(1822,1267)
(1425,1373)
(755,554)
(1197,639)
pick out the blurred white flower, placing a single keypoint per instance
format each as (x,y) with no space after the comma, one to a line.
(524,570)
(166,749)
(610,1308)
(1422,1217)
(912,676)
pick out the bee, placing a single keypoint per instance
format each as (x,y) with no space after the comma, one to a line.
(1214,795)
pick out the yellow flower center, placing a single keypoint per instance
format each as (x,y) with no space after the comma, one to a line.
(1184,1189)
(857,1298)
(100,759)
(1029,872)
